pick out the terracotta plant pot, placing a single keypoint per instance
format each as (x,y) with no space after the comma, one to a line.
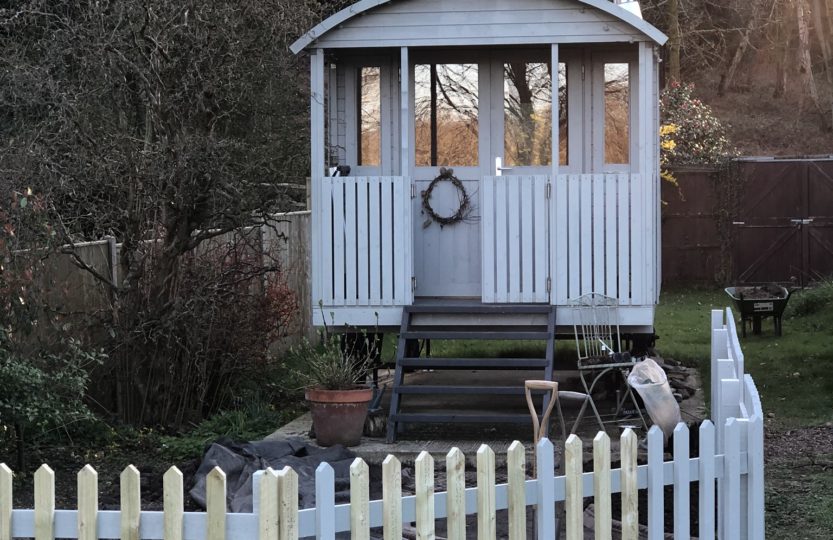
(338,415)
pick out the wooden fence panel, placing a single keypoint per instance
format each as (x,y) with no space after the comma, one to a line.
(87,504)
(516,477)
(455,467)
(656,506)
(131,503)
(268,507)
(424,478)
(574,466)
(392,498)
(173,505)
(545,467)
(486,513)
(359,500)
(601,487)
(729,503)
(630,488)
(706,488)
(287,504)
(215,504)
(681,483)
(44,503)
(325,501)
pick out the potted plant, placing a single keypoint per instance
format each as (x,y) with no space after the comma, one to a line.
(336,398)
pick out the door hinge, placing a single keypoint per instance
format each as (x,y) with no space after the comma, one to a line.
(549,285)
(413,284)
(582,71)
(413,191)
(549,190)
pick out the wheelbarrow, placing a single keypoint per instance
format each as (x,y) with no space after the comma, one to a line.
(757,303)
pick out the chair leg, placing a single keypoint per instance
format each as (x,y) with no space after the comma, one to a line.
(589,392)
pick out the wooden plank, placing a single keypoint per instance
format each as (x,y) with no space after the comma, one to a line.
(624,228)
(487,224)
(391,498)
(44,503)
(514,239)
(542,239)
(359,500)
(363,238)
(424,491)
(601,487)
(729,502)
(387,241)
(87,504)
(130,488)
(555,114)
(408,240)
(561,238)
(339,240)
(173,505)
(351,241)
(404,112)
(586,228)
(656,497)
(486,513)
(755,477)
(317,160)
(638,252)
(706,482)
(268,511)
(527,215)
(574,240)
(630,489)
(682,488)
(545,469)
(215,504)
(516,478)
(325,502)
(375,240)
(501,241)
(611,287)
(599,201)
(287,504)
(6,498)
(400,280)
(328,239)
(455,470)
(574,467)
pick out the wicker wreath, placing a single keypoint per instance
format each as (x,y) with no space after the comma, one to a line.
(447,175)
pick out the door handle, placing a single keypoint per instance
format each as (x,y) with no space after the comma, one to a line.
(499,168)
(800,221)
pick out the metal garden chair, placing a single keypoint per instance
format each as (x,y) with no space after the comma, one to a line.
(598,346)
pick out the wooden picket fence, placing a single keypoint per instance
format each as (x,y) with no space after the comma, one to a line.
(728,470)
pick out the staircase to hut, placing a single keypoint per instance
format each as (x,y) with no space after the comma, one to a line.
(455,392)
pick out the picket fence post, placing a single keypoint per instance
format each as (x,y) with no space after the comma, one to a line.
(656,500)
(44,503)
(392,498)
(707,484)
(325,502)
(682,492)
(486,514)
(87,503)
(215,504)
(516,478)
(545,510)
(359,500)
(601,487)
(455,471)
(573,467)
(267,508)
(6,505)
(424,479)
(130,488)
(173,504)
(288,504)
(630,488)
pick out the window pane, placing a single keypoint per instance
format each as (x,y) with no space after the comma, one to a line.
(617,114)
(446,109)
(527,110)
(370,121)
(563,124)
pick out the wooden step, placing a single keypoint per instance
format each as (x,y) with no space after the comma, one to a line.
(488,309)
(429,418)
(497,335)
(463,390)
(475,363)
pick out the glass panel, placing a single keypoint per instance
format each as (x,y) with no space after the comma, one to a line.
(527,106)
(617,113)
(446,109)
(563,124)
(370,117)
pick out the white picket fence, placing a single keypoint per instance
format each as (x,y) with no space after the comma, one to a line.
(728,469)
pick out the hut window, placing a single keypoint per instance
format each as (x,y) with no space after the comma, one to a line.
(370,121)
(446,114)
(617,113)
(527,111)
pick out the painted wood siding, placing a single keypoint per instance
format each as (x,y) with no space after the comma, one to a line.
(474,22)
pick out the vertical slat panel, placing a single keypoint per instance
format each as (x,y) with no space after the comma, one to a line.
(586,239)
(405,116)
(339,233)
(516,478)
(173,505)
(624,228)
(486,518)
(599,235)
(362,236)
(561,235)
(131,502)
(545,468)
(755,449)
(375,241)
(638,252)
(392,498)
(601,487)
(574,466)
(574,240)
(6,492)
(215,504)
(706,487)
(730,502)
(424,488)
(488,243)
(359,500)
(399,226)
(328,239)
(87,503)
(455,467)
(320,234)
(656,508)
(387,241)
(268,512)
(541,229)
(501,242)
(681,483)
(287,504)
(527,215)
(514,239)
(44,503)
(611,229)
(351,241)
(630,490)
(325,502)
(408,241)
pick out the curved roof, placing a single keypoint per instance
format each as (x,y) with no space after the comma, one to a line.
(366,5)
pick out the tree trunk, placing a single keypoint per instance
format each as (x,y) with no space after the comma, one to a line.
(673,40)
(728,78)
(823,34)
(782,41)
(805,65)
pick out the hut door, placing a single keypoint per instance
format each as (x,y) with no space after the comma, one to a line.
(515,216)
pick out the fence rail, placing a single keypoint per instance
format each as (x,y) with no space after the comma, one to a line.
(728,469)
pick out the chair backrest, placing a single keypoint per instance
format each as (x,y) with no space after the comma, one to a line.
(596,325)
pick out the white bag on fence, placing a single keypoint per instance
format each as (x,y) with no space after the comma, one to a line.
(650,381)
